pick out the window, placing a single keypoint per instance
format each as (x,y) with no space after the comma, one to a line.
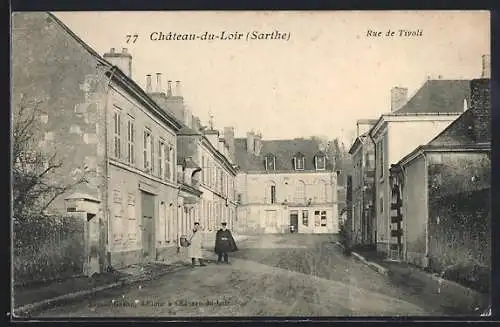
(270,163)
(161,159)
(299,162)
(203,169)
(152,146)
(381,204)
(117,134)
(130,142)
(320,162)
(147,150)
(323,218)
(168,162)
(239,198)
(273,194)
(380,155)
(369,158)
(221,181)
(317,218)
(305,218)
(322,191)
(300,192)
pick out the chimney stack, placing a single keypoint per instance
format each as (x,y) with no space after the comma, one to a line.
(399,97)
(169,89)
(121,60)
(158,82)
(251,142)
(149,88)
(480,106)
(486,73)
(178,88)
(229,137)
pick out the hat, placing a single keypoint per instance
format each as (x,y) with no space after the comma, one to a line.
(224,224)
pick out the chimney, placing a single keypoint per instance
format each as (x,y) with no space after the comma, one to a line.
(486,73)
(148,84)
(121,60)
(399,97)
(229,137)
(480,107)
(258,142)
(250,142)
(169,89)
(158,83)
(178,88)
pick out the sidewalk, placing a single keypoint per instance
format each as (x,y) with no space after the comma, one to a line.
(451,297)
(29,299)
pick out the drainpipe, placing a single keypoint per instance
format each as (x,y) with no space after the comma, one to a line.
(107,259)
(375,189)
(178,245)
(426,201)
(405,218)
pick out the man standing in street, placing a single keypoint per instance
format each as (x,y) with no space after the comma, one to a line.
(224,243)
(195,242)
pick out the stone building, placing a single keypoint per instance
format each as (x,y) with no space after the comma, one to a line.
(284,183)
(443,189)
(428,112)
(363,226)
(206,169)
(102,125)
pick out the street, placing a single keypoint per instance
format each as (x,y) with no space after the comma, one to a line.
(271,275)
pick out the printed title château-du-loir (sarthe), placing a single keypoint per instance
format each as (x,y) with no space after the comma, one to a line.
(223,36)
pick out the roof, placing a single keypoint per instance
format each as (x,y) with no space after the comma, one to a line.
(438,96)
(82,196)
(367,121)
(460,131)
(359,141)
(284,152)
(460,135)
(127,81)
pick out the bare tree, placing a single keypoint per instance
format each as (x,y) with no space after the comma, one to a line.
(32,188)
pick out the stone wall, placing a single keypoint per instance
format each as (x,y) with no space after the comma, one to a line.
(459,209)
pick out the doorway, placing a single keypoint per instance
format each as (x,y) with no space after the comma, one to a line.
(294,221)
(148,237)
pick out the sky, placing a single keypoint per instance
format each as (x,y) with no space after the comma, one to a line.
(328,74)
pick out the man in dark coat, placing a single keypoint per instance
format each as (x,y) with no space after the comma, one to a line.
(224,243)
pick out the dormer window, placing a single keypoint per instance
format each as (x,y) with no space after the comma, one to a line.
(298,161)
(320,161)
(270,162)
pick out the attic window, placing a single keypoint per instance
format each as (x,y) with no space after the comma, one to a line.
(298,161)
(320,161)
(270,162)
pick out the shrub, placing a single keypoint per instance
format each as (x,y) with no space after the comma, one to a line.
(47,248)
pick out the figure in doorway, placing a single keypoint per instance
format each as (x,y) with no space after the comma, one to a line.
(224,244)
(195,242)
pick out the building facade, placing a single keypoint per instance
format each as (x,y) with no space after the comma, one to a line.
(205,157)
(433,107)
(285,185)
(444,189)
(104,128)
(363,226)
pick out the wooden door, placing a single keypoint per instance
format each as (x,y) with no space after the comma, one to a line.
(148,237)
